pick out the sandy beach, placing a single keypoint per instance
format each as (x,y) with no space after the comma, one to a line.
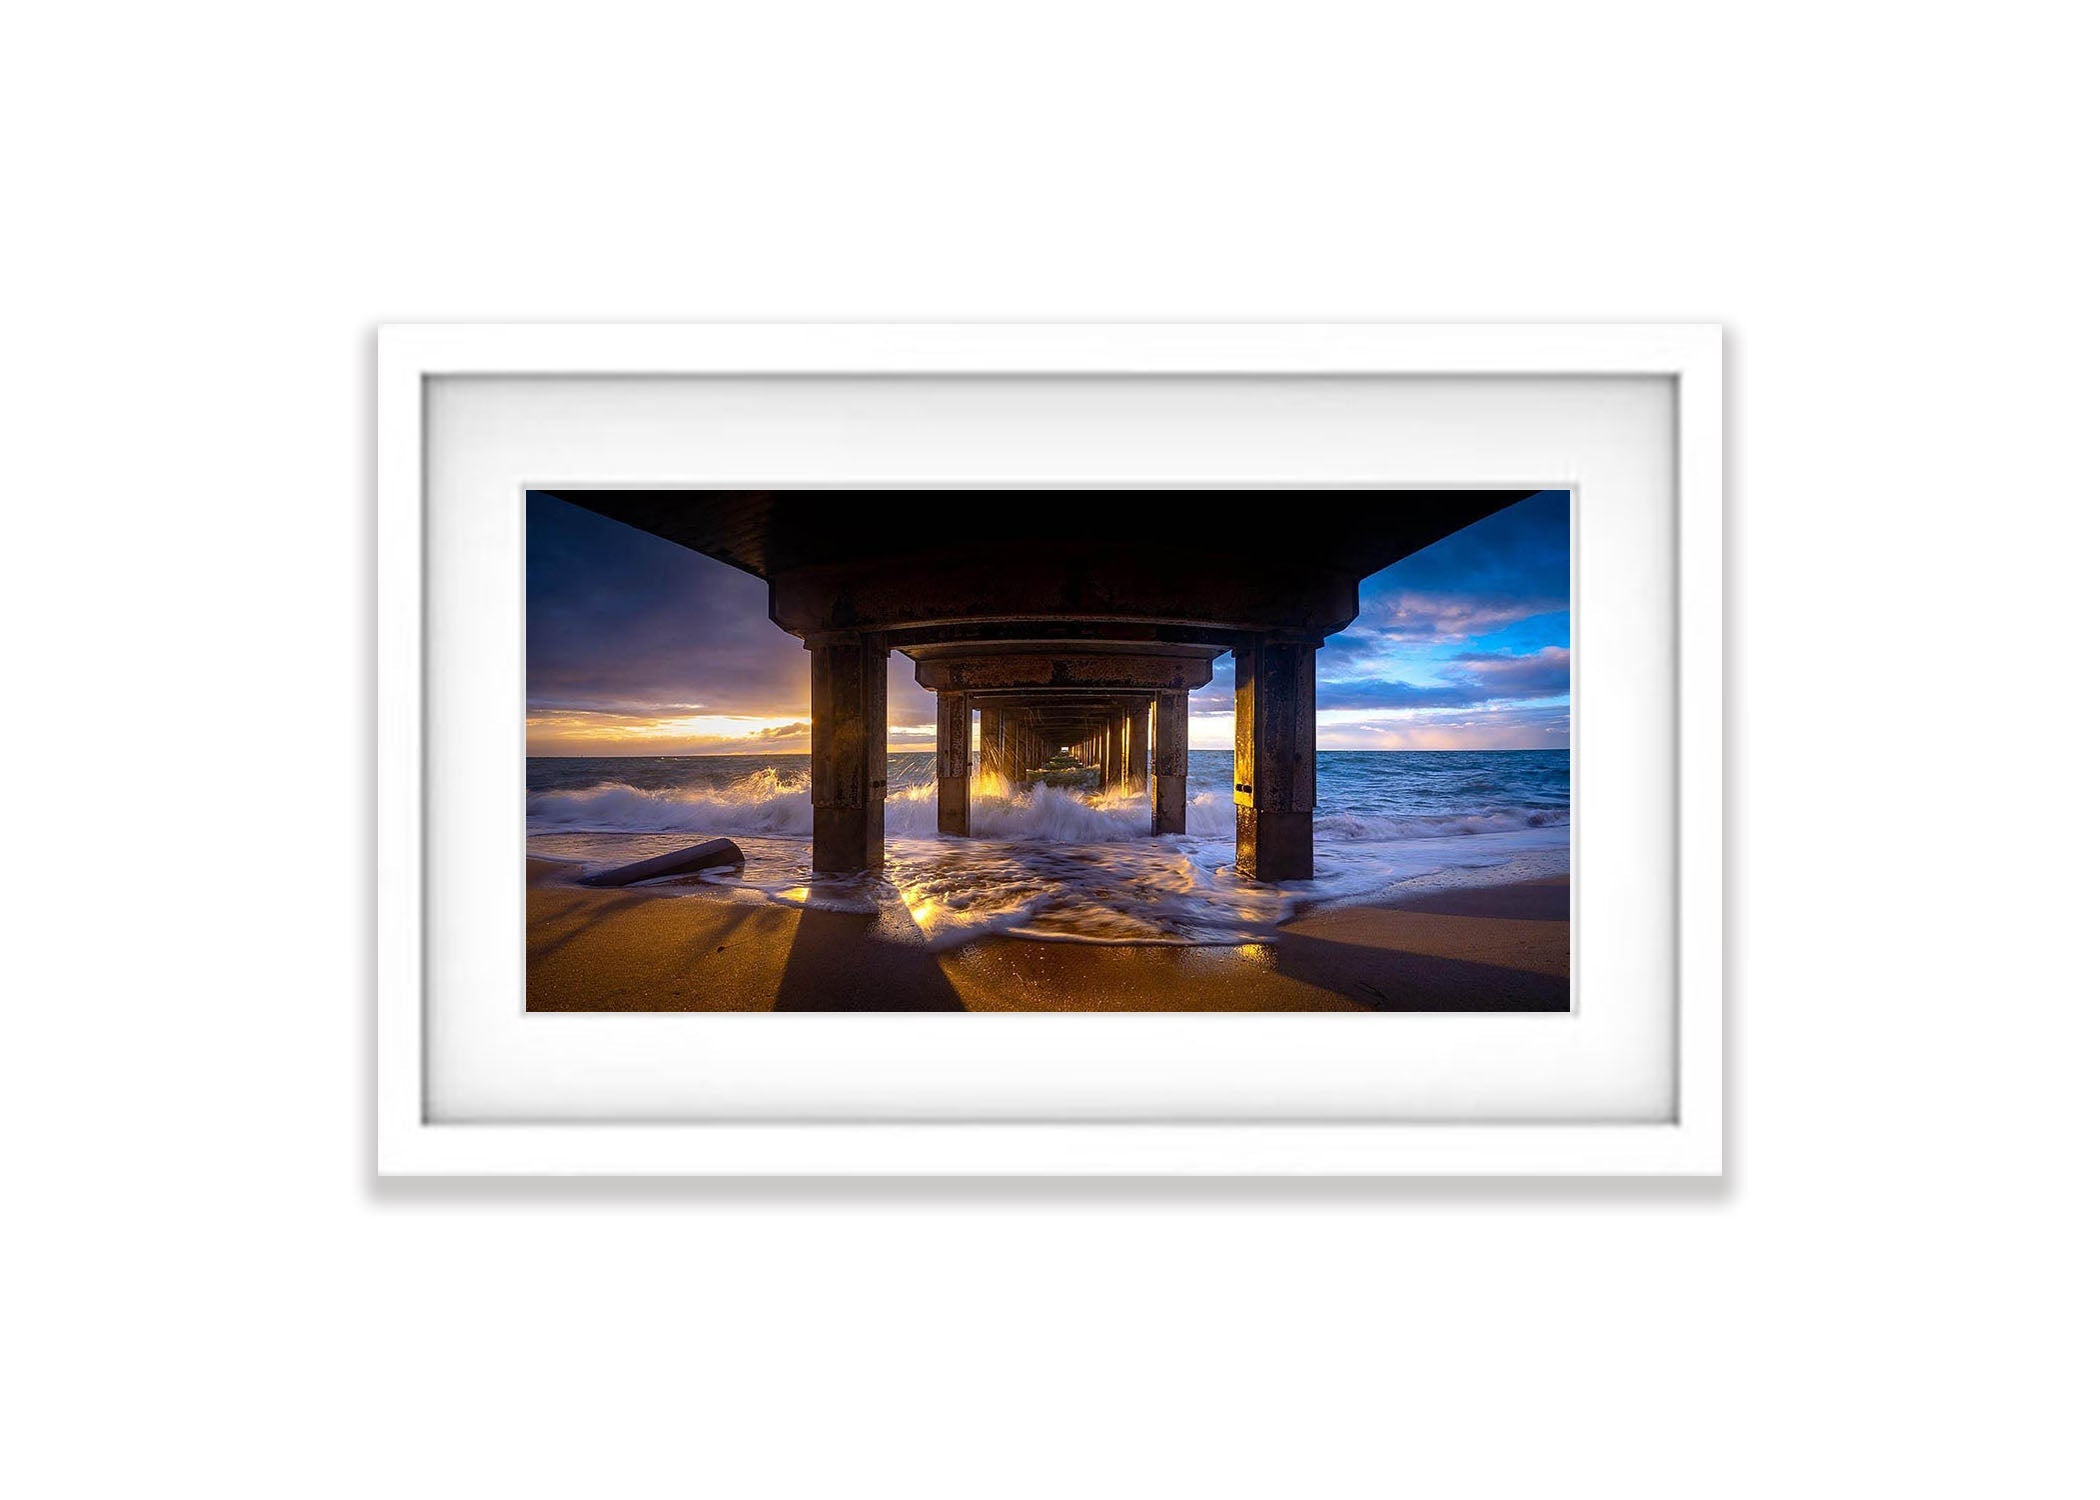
(1476,948)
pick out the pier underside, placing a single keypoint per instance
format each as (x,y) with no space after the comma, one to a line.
(1061,645)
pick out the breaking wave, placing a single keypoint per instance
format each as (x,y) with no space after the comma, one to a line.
(767,801)
(1498,820)
(1061,863)
(774,802)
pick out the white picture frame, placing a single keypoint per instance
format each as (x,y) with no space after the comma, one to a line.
(1686,1140)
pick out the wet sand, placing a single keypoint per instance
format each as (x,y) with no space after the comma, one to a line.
(1489,947)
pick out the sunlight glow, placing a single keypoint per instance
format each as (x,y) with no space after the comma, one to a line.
(598,733)
(706,726)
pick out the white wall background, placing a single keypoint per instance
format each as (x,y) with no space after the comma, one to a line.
(210,206)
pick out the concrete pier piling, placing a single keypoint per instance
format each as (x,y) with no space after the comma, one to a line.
(952,763)
(1273,782)
(1055,639)
(1137,732)
(987,738)
(1009,747)
(848,750)
(1170,763)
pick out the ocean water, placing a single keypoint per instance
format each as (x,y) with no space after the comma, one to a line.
(1065,865)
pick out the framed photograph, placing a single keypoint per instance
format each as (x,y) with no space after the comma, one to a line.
(1081,750)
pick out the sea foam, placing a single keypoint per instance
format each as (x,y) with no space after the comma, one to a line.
(1066,864)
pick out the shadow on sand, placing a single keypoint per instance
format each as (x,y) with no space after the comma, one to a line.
(839,961)
(1384,979)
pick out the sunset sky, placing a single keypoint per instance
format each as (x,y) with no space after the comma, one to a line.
(637,646)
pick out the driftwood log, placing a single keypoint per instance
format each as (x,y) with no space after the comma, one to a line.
(713,854)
